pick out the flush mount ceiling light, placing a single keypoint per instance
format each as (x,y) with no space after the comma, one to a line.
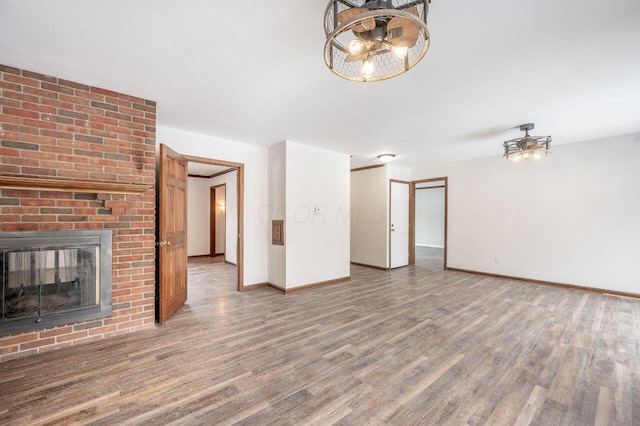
(372,40)
(527,147)
(386,158)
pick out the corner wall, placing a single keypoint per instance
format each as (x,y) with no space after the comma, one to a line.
(369,231)
(317,228)
(53,128)
(278,211)
(571,218)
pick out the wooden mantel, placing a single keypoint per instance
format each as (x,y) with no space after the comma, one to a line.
(68,185)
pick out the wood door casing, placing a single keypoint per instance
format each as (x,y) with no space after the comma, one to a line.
(412,218)
(240,212)
(172,233)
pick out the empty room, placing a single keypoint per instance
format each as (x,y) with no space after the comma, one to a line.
(350,212)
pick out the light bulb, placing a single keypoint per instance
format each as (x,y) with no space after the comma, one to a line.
(516,158)
(400,52)
(367,69)
(536,156)
(356,46)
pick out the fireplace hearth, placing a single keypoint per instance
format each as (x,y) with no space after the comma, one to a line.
(52,278)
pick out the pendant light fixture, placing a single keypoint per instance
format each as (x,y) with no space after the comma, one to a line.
(372,40)
(527,147)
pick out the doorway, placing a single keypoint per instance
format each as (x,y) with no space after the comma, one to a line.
(171,282)
(429,219)
(399,194)
(218,220)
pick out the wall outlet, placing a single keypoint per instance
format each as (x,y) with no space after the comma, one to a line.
(498,260)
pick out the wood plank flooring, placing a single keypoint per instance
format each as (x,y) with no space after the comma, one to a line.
(416,345)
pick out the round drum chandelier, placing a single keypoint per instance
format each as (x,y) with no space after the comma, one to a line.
(372,40)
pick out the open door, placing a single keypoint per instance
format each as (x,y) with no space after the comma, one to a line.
(441,183)
(399,225)
(172,233)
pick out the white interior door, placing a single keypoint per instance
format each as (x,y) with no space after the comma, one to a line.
(399,225)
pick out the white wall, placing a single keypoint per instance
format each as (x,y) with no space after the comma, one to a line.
(369,232)
(397,172)
(317,243)
(571,218)
(255,189)
(430,217)
(231,213)
(277,211)
(220,218)
(198,225)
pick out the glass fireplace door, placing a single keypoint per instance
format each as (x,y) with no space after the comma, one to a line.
(36,283)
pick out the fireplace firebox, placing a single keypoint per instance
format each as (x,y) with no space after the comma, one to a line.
(52,278)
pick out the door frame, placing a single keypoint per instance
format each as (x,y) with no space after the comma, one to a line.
(391,182)
(240,184)
(212,220)
(412,218)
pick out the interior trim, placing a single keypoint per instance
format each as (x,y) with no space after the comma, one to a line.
(551,283)
(370,266)
(34,183)
(240,188)
(359,169)
(309,286)
(412,218)
(431,187)
(255,286)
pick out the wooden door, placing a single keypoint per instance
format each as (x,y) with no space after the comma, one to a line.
(399,221)
(172,233)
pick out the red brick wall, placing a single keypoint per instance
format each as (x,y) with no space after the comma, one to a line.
(60,129)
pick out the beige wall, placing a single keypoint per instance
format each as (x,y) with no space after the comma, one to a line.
(369,217)
(571,218)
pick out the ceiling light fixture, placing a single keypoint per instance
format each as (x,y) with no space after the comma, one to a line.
(527,147)
(372,40)
(386,158)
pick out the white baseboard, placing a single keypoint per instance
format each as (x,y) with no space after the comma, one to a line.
(428,245)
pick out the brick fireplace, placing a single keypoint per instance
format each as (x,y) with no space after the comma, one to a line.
(76,157)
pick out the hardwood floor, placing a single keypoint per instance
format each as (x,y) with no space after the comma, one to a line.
(416,345)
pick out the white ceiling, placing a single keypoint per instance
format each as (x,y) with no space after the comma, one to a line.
(253,71)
